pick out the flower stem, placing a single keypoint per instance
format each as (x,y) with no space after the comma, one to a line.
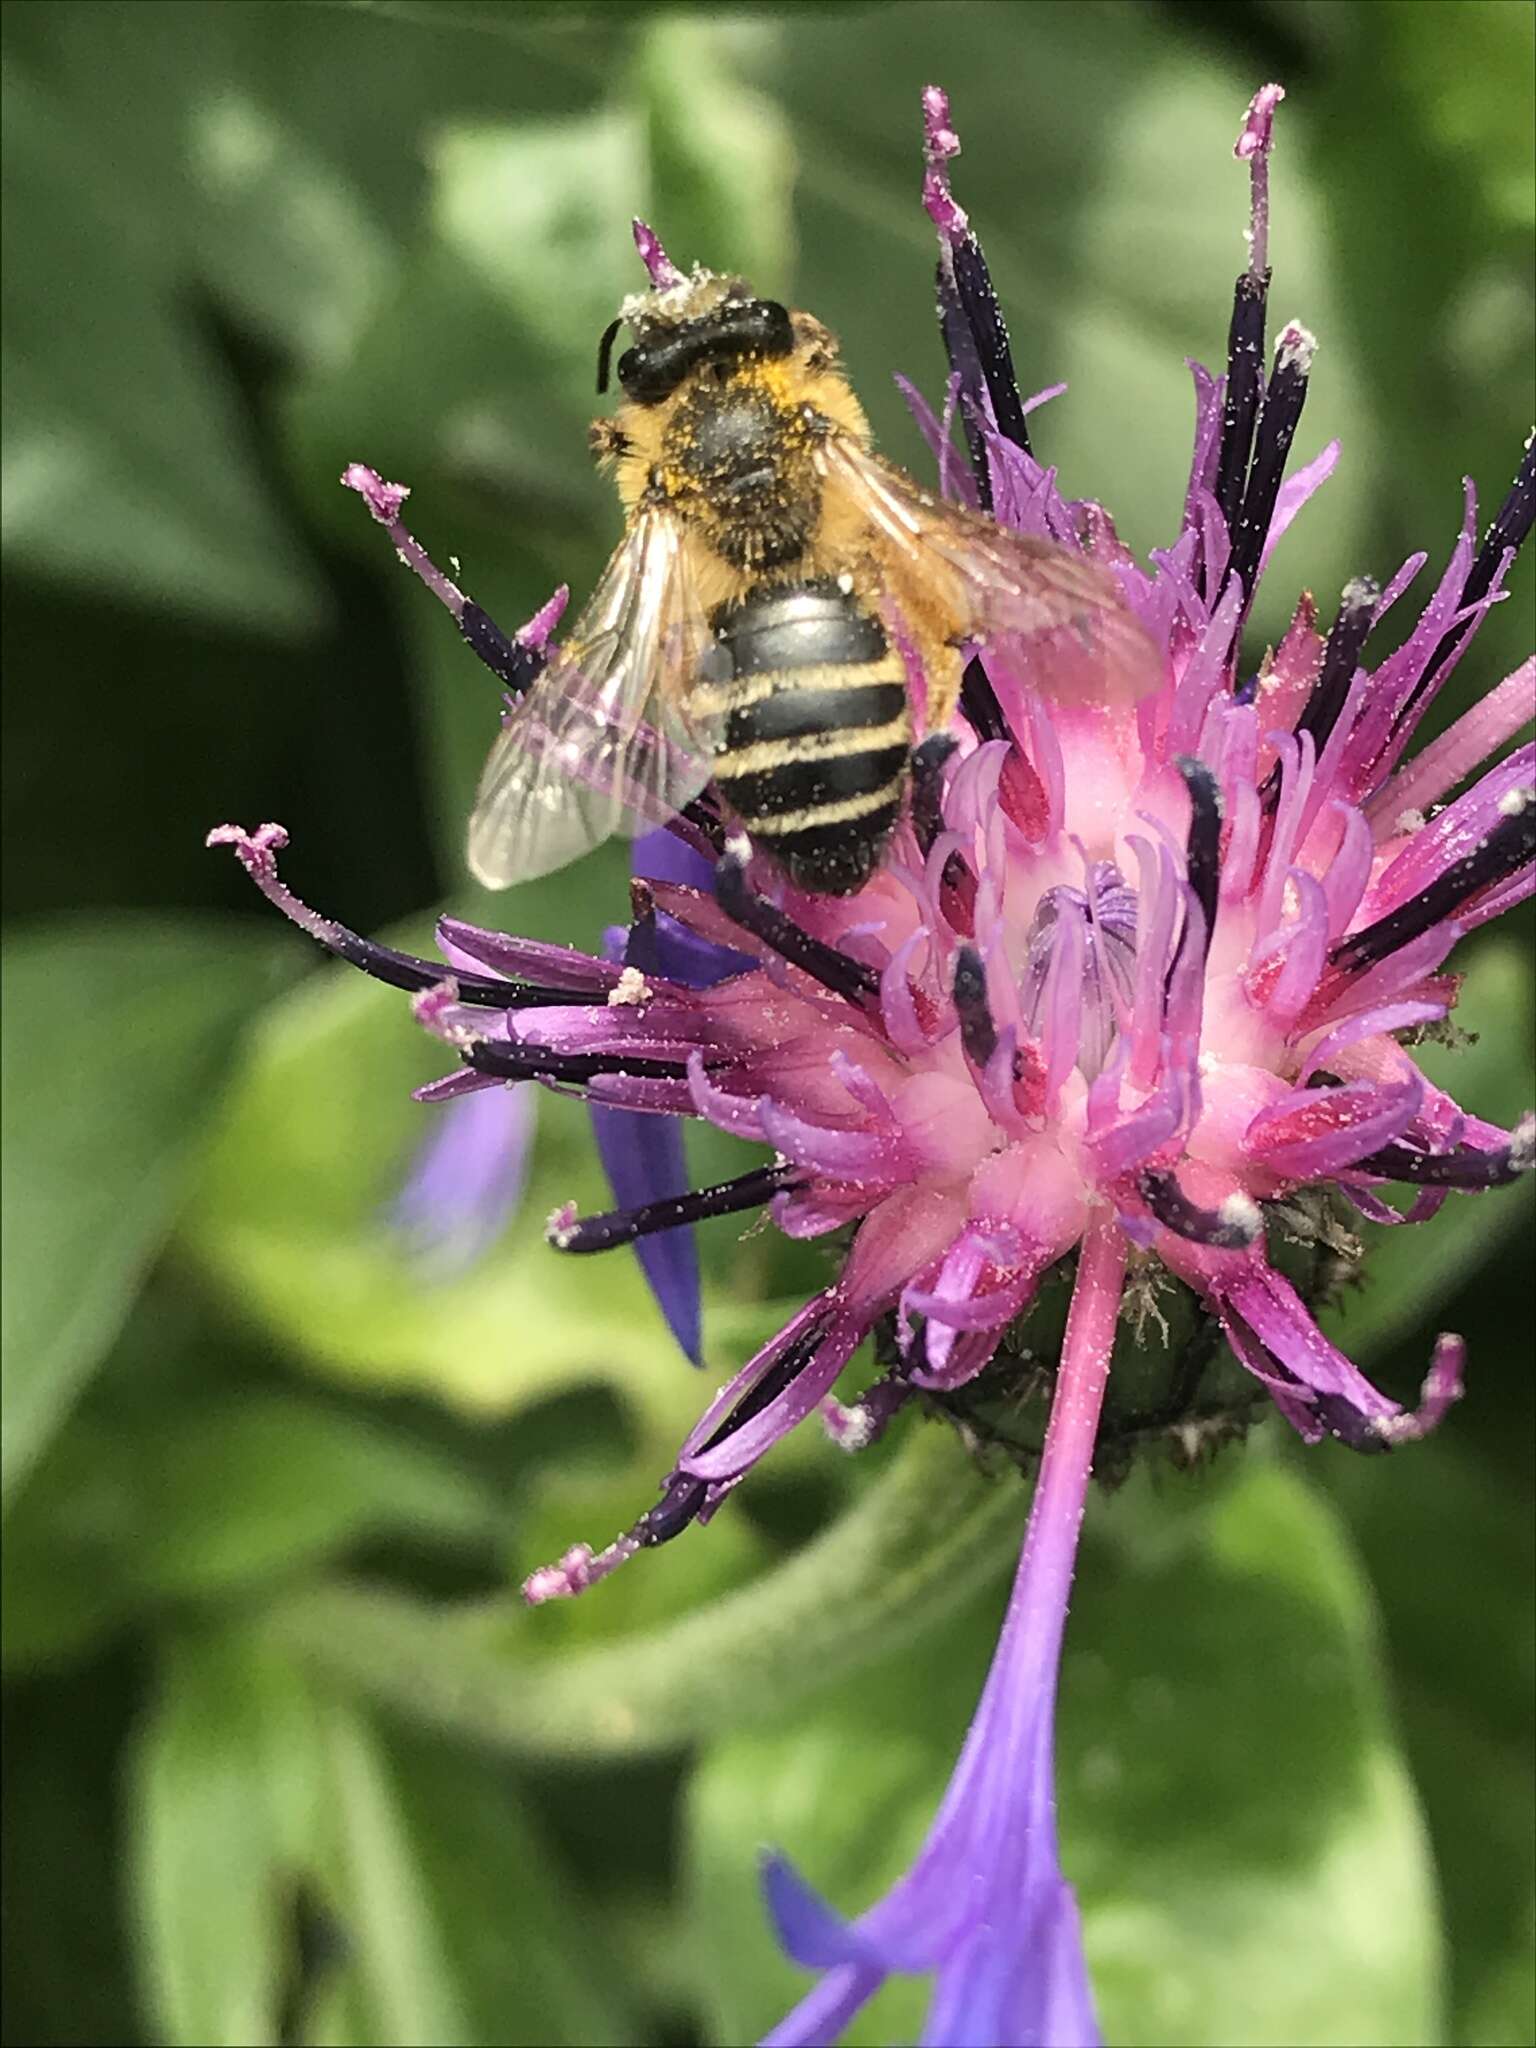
(1050,1548)
(929,1533)
(1030,1641)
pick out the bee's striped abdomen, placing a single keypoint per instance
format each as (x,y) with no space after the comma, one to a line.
(817,735)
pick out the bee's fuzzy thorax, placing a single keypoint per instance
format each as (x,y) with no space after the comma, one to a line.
(798,395)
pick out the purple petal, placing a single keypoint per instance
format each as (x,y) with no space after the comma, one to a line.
(822,2014)
(1448,760)
(532,960)
(643,1158)
(985,1904)
(809,1931)
(1294,494)
(662,856)
(1314,1133)
(756,1436)
(468,1178)
(1339,1397)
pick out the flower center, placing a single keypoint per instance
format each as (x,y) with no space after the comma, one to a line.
(1080,965)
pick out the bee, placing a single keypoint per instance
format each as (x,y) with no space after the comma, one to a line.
(785,615)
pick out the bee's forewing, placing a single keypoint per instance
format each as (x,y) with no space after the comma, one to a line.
(599,744)
(1062,612)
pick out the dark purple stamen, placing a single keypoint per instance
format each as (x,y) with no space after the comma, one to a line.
(409,971)
(773,1382)
(978,703)
(678,1507)
(1463,1166)
(1341,657)
(978,1032)
(1337,1415)
(513,662)
(970,318)
(1511,527)
(1277,424)
(1508,534)
(928,788)
(965,361)
(1346,1425)
(989,332)
(542,1063)
(1507,848)
(623,1226)
(684,1497)
(1202,851)
(642,942)
(1230,1228)
(836,971)
(1245,388)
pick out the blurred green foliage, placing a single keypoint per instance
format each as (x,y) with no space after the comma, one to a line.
(285,1759)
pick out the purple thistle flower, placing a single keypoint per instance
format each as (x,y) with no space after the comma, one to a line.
(1133,976)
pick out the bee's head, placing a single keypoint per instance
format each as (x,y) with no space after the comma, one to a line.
(684,322)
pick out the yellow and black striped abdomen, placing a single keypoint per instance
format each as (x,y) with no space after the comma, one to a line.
(817,736)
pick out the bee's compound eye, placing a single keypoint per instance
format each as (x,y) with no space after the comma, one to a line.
(628,364)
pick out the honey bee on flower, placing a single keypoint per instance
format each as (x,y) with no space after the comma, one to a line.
(784,611)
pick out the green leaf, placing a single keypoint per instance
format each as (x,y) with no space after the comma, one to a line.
(219,1494)
(448,1926)
(68,1976)
(116,1039)
(924,1533)
(253,1487)
(1234,1813)
(125,467)
(513,1937)
(1465,67)
(721,158)
(1451,1549)
(405,1986)
(224,1789)
(1499,2013)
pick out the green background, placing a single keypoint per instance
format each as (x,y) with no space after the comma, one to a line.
(285,1757)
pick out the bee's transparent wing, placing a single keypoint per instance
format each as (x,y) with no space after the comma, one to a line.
(1062,612)
(599,744)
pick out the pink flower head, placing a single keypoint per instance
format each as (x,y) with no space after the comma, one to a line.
(1134,978)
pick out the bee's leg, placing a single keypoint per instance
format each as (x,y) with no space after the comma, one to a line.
(515,659)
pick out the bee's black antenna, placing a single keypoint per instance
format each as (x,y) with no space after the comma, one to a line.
(605,351)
